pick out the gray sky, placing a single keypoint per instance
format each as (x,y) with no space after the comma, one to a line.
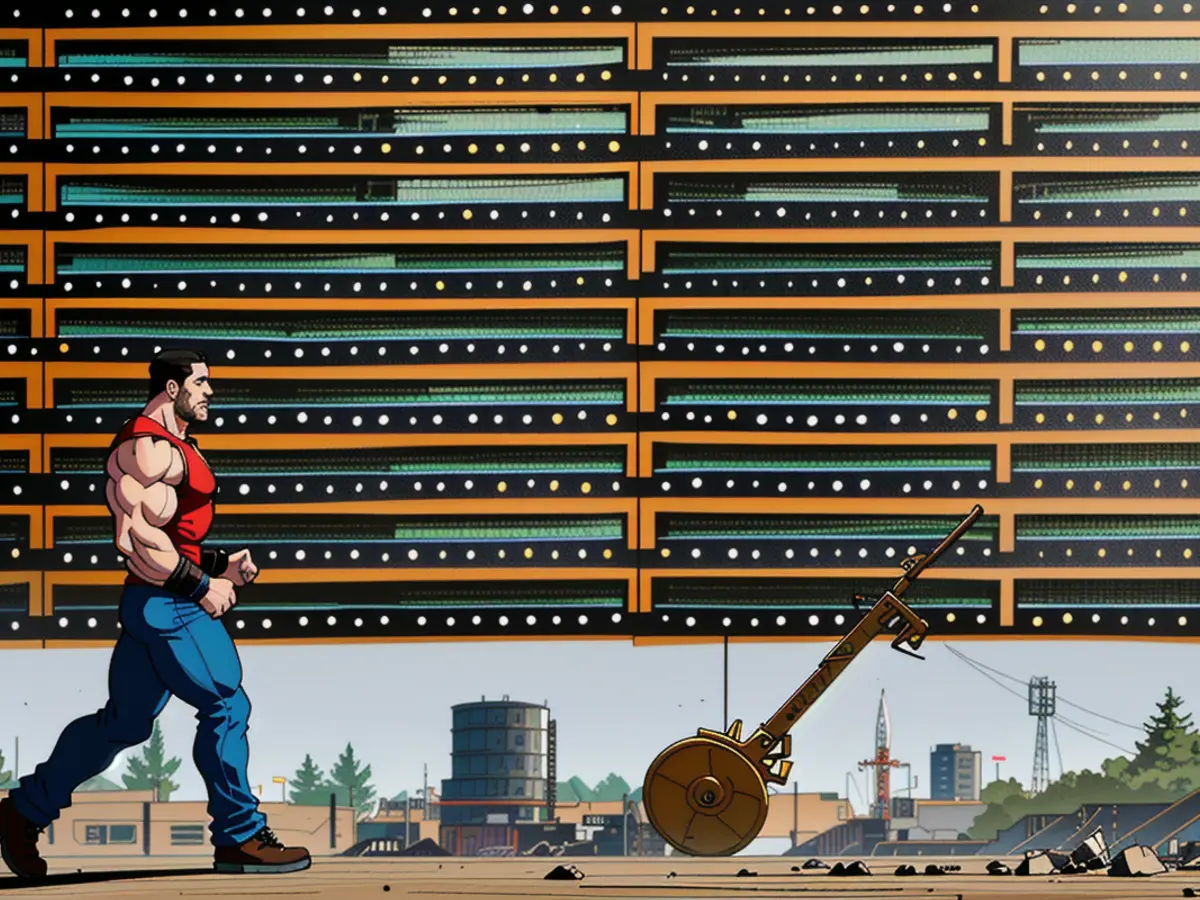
(618,705)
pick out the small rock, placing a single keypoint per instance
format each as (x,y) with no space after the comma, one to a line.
(1188,892)
(671,875)
(1036,863)
(1136,862)
(858,867)
(814,864)
(838,869)
(562,873)
(996,867)
(746,873)
(906,870)
(933,869)
(795,868)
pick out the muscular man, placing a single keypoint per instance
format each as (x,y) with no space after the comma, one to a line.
(160,491)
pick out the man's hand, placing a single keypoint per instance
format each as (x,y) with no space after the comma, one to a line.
(241,569)
(221,597)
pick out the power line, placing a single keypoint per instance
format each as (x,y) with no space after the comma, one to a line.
(1101,716)
(1061,699)
(1057,746)
(1080,726)
(1100,739)
(1067,723)
(977,668)
(973,662)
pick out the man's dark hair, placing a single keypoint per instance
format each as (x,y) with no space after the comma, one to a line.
(172,365)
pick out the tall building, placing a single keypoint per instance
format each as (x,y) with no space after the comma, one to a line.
(955,772)
(501,766)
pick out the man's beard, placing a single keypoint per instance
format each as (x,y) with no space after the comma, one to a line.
(184,410)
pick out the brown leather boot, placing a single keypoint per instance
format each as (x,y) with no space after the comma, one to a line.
(18,843)
(263,854)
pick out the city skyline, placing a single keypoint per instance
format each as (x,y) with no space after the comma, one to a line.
(617,705)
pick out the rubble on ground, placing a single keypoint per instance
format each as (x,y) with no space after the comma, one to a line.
(858,867)
(1092,854)
(934,869)
(906,870)
(425,847)
(1036,862)
(564,873)
(814,864)
(996,867)
(1136,862)
(746,873)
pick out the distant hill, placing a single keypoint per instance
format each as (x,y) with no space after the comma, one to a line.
(99,783)
(611,787)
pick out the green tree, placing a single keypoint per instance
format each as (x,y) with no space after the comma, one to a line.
(997,816)
(350,780)
(152,770)
(5,777)
(1008,803)
(308,786)
(1170,755)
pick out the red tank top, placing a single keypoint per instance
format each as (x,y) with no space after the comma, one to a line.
(194,514)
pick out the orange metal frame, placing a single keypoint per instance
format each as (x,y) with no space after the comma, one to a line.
(350,576)
(1004,304)
(622,31)
(54,171)
(625,371)
(631,237)
(1003,374)
(54,305)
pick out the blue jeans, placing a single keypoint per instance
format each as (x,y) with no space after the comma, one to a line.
(168,646)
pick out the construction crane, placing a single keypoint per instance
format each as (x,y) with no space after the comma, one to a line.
(707,795)
(883,762)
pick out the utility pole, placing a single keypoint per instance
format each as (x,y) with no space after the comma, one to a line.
(726,682)
(426,815)
(1042,706)
(624,824)
(407,817)
(795,814)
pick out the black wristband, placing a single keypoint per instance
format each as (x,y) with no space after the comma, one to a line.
(187,580)
(214,562)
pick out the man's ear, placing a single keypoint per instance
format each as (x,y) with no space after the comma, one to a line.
(173,389)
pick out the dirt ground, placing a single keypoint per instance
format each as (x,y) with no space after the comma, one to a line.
(605,877)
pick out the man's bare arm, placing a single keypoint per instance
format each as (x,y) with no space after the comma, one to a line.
(142,501)
(142,474)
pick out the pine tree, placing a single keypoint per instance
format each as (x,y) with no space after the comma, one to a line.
(5,777)
(1169,742)
(351,782)
(152,770)
(308,787)
(1170,755)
